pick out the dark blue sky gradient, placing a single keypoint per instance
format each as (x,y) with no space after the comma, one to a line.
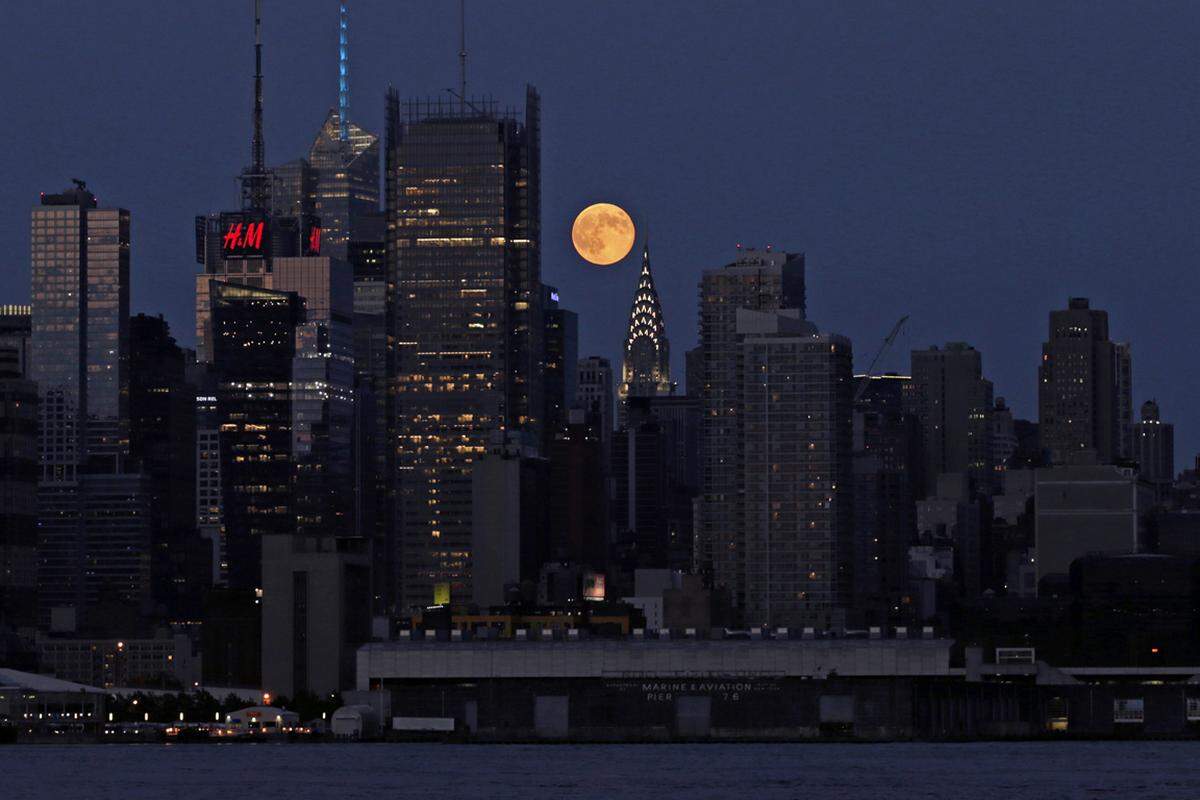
(968,163)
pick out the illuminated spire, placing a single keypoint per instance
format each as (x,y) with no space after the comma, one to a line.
(646,370)
(343,72)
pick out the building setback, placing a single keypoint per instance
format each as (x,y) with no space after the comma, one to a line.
(463,198)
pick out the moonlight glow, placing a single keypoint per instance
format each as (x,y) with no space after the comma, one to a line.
(603,234)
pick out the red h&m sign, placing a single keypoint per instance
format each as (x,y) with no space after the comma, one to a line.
(241,237)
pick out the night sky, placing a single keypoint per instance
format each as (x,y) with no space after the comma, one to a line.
(971,164)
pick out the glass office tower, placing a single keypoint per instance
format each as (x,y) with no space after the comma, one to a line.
(463,190)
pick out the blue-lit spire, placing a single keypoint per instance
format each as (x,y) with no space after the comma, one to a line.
(343,72)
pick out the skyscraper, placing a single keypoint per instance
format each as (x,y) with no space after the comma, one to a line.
(241,246)
(796,448)
(345,161)
(322,393)
(93,535)
(953,401)
(346,197)
(762,281)
(162,412)
(887,467)
(464,216)
(254,345)
(1080,387)
(646,365)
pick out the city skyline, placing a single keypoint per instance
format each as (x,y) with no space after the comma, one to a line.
(399,454)
(1030,169)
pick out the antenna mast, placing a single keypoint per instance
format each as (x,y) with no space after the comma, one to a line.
(343,73)
(255,179)
(462,54)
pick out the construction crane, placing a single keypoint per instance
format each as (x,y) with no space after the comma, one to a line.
(891,337)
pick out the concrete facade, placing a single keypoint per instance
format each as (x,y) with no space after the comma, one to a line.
(1083,510)
(316,609)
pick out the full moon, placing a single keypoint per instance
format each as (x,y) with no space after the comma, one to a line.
(603,234)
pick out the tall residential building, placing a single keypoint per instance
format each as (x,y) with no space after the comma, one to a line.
(646,363)
(760,281)
(254,346)
(464,238)
(1154,447)
(797,520)
(953,401)
(345,160)
(594,395)
(93,544)
(18,491)
(1080,387)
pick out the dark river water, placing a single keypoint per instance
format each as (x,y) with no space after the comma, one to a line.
(1023,771)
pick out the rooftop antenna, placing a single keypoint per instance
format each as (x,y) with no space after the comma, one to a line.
(343,72)
(462,54)
(255,180)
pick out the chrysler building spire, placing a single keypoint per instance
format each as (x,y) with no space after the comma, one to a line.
(646,369)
